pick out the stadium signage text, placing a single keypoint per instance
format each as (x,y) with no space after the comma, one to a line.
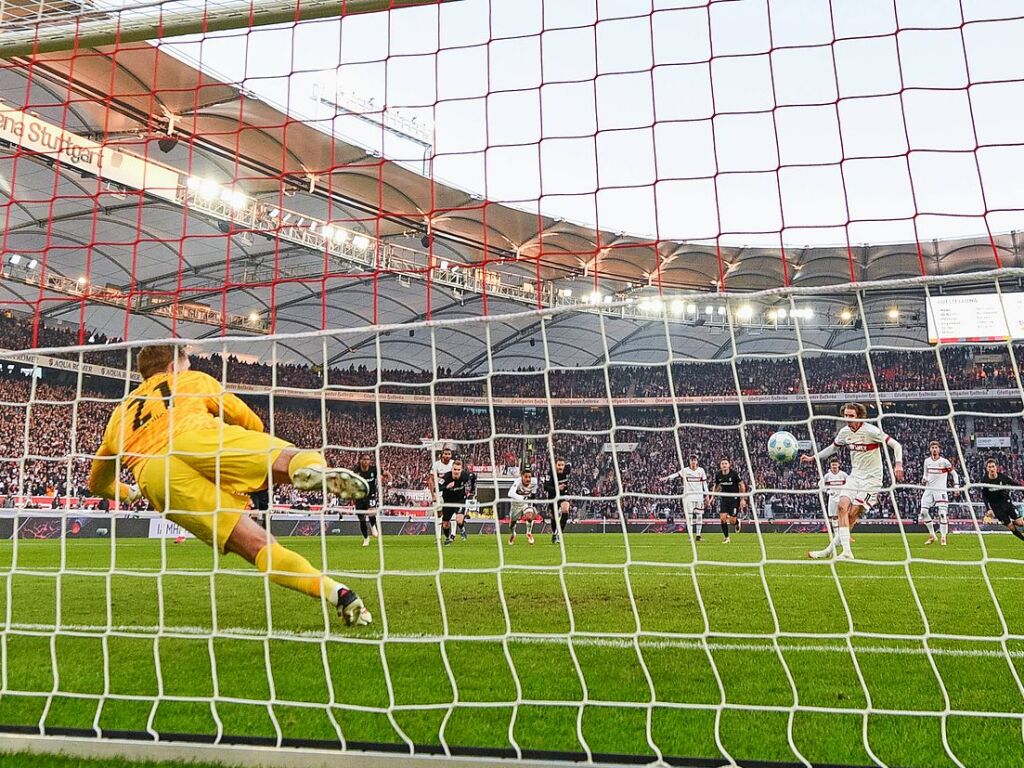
(37,136)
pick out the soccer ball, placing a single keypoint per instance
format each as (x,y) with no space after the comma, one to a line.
(782,447)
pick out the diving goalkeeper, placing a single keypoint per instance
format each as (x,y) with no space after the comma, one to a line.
(197,452)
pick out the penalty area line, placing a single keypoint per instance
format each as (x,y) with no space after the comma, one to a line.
(786,644)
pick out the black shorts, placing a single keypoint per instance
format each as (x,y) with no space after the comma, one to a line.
(732,510)
(1006,516)
(448,512)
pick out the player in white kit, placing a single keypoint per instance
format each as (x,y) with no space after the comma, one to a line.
(937,470)
(523,507)
(696,496)
(833,482)
(443,465)
(862,487)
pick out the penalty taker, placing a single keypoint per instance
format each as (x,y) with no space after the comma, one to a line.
(197,452)
(861,489)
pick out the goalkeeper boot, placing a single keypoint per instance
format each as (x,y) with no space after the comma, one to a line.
(847,555)
(351,609)
(339,481)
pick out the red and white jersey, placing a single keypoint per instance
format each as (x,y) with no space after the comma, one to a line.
(695,481)
(937,471)
(833,482)
(865,444)
(441,468)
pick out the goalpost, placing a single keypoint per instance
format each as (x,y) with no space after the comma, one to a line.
(495,225)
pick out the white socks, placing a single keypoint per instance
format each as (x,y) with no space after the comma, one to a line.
(844,539)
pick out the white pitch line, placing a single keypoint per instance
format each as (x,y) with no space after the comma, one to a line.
(740,570)
(786,644)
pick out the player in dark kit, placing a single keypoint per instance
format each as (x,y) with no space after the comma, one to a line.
(367,506)
(727,481)
(457,486)
(556,486)
(996,494)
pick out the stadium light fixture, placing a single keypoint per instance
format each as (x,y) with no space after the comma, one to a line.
(33,264)
(341,236)
(274,213)
(254,317)
(595,297)
(709,310)
(194,183)
(361,242)
(15,259)
(691,309)
(327,232)
(894,314)
(745,312)
(608,299)
(82,281)
(845,315)
(444,264)
(808,313)
(209,189)
(721,310)
(657,305)
(678,307)
(781,314)
(772,314)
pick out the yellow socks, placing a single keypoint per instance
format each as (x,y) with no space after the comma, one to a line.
(304,459)
(292,570)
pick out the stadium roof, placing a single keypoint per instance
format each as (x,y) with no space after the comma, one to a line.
(160,252)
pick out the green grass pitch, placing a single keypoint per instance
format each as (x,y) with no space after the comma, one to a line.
(464,690)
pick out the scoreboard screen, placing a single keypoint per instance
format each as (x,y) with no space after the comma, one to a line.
(975,317)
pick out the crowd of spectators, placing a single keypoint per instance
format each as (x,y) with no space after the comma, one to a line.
(48,431)
(962,368)
(50,426)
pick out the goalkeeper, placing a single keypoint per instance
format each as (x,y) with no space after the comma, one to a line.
(197,451)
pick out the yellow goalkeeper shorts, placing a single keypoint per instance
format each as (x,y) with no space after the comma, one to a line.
(204,482)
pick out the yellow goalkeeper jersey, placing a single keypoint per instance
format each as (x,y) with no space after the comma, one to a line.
(167,405)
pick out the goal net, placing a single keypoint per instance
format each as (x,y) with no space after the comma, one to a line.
(536,271)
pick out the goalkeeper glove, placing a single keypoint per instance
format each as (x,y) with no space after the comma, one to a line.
(133,495)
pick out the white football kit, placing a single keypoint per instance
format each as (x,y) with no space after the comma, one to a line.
(865,443)
(695,491)
(834,482)
(936,484)
(522,497)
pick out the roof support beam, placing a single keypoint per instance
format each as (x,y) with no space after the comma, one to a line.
(93,29)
